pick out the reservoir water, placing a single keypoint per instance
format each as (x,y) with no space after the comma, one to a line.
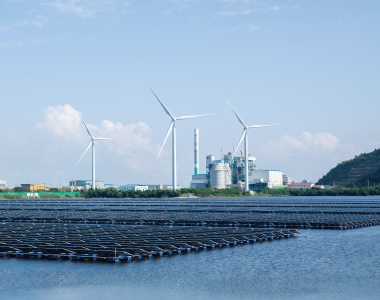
(327,264)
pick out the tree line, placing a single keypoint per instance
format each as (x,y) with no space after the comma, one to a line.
(114,193)
(363,191)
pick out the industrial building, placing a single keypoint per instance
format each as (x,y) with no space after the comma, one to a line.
(199,181)
(3,185)
(223,173)
(237,166)
(286,180)
(34,187)
(271,177)
(133,187)
(229,172)
(304,185)
(170,187)
(110,185)
(87,184)
(301,185)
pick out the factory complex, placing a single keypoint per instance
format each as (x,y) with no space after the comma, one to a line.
(229,172)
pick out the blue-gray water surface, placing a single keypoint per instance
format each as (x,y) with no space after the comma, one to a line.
(327,264)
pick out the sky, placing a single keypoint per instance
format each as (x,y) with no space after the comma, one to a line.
(312,66)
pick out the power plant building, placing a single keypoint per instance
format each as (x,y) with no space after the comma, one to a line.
(237,166)
(229,171)
(223,173)
(271,177)
(87,184)
(199,181)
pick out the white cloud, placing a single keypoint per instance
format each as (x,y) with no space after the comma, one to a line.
(64,122)
(4,28)
(286,146)
(233,13)
(254,28)
(38,23)
(310,142)
(324,141)
(276,8)
(21,43)
(85,8)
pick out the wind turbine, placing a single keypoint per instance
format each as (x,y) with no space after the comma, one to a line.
(245,136)
(174,146)
(92,142)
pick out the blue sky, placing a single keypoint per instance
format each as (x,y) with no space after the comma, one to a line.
(311,66)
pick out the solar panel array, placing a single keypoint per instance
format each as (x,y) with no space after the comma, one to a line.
(294,212)
(121,242)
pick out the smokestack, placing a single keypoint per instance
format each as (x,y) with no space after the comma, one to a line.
(196,151)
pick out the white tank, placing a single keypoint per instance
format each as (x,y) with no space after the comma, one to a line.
(227,174)
(217,176)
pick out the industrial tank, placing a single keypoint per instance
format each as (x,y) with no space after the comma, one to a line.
(227,174)
(217,176)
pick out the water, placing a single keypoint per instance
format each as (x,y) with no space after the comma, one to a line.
(328,264)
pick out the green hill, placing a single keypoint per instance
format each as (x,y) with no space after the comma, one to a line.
(356,171)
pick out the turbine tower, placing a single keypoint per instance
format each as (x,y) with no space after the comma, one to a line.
(245,136)
(92,142)
(173,130)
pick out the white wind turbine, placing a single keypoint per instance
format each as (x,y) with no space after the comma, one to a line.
(245,136)
(172,128)
(92,142)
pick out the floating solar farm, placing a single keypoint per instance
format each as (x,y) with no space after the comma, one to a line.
(121,242)
(133,229)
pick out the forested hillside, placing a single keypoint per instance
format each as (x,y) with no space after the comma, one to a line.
(356,172)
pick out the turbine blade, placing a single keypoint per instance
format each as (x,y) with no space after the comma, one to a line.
(104,139)
(258,126)
(88,147)
(241,139)
(88,130)
(169,130)
(164,107)
(189,117)
(240,119)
